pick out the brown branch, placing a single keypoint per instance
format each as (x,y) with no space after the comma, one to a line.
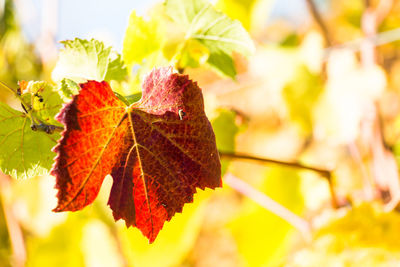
(318,19)
(233,155)
(269,204)
(323,172)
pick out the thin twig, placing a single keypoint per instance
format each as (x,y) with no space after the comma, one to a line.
(266,202)
(233,155)
(318,19)
(323,172)
(377,39)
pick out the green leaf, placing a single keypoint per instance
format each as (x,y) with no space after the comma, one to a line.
(141,39)
(238,9)
(251,13)
(82,60)
(262,237)
(220,34)
(300,95)
(69,87)
(225,130)
(193,55)
(129,99)
(133,98)
(116,70)
(364,235)
(23,152)
(222,63)
(60,248)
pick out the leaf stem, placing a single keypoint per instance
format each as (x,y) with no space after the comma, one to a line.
(269,204)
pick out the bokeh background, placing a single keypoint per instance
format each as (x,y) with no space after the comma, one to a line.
(322,89)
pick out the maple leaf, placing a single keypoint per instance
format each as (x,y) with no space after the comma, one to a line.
(158,150)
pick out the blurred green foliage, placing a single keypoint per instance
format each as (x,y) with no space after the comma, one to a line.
(262,237)
(18,61)
(300,95)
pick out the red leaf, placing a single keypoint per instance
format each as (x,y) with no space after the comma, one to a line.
(158,150)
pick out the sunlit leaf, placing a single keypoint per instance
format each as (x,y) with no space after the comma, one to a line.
(44,101)
(141,39)
(23,152)
(83,60)
(158,150)
(252,14)
(214,30)
(69,88)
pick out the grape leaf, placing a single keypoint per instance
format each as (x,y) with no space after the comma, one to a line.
(141,39)
(216,31)
(238,9)
(23,152)
(69,87)
(251,13)
(44,101)
(158,150)
(83,60)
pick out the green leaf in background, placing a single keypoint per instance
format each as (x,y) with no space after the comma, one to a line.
(82,60)
(237,9)
(262,237)
(225,130)
(141,39)
(116,70)
(193,55)
(23,152)
(7,17)
(222,63)
(364,235)
(251,13)
(60,248)
(300,96)
(214,30)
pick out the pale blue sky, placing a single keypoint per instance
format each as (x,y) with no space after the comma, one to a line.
(108,19)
